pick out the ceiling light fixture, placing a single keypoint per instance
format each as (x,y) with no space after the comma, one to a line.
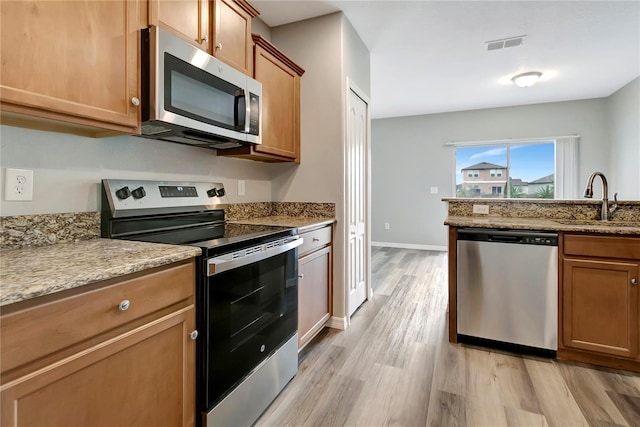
(526,79)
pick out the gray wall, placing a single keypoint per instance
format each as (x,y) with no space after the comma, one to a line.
(68,168)
(408,157)
(259,27)
(329,49)
(357,59)
(624,126)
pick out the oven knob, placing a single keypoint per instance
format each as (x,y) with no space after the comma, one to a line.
(262,348)
(138,193)
(123,193)
(220,192)
(212,192)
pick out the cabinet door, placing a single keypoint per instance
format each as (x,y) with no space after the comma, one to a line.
(144,377)
(314,293)
(600,306)
(186,18)
(232,35)
(280,105)
(75,61)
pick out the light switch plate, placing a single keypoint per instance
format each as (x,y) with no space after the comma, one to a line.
(18,184)
(434,190)
(481,209)
(241,187)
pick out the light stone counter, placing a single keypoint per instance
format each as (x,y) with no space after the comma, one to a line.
(575,225)
(32,272)
(301,223)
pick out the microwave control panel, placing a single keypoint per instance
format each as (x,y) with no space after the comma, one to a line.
(254,120)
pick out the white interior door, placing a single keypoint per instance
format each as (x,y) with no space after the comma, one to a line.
(357,128)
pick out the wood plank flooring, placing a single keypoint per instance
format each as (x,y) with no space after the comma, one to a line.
(394,367)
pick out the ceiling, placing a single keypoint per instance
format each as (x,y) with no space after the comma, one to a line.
(431,56)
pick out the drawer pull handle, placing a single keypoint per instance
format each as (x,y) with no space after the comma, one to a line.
(301,276)
(124,305)
(315,239)
(193,335)
(634,281)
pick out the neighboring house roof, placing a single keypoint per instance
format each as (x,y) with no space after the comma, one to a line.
(484,165)
(518,182)
(544,180)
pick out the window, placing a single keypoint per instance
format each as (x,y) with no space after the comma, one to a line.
(509,170)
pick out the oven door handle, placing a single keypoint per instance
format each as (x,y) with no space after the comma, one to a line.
(222,263)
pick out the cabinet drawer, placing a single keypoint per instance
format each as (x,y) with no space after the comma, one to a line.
(39,331)
(315,240)
(602,246)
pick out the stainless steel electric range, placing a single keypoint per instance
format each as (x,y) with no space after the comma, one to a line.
(246,290)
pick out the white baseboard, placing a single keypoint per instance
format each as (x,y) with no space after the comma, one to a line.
(410,246)
(337,323)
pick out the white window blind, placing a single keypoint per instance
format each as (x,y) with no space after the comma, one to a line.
(566,152)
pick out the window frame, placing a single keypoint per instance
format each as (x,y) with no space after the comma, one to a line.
(566,162)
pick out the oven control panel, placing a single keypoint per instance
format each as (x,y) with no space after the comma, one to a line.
(164,195)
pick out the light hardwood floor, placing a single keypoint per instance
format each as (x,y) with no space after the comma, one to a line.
(394,366)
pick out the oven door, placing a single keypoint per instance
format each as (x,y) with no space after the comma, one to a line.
(251,309)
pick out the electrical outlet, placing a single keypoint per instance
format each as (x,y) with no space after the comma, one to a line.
(18,184)
(481,209)
(241,187)
(386,226)
(434,190)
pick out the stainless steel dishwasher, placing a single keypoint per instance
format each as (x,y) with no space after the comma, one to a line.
(507,289)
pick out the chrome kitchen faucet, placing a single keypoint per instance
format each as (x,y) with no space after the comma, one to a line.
(605,212)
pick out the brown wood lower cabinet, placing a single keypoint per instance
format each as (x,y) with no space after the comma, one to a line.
(600,300)
(314,283)
(141,375)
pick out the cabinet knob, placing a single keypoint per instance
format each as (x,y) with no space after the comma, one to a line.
(205,38)
(301,276)
(124,305)
(193,335)
(219,46)
(634,281)
(135,101)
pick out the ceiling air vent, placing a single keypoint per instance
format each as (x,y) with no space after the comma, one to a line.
(506,42)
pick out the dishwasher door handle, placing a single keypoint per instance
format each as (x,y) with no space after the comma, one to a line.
(504,238)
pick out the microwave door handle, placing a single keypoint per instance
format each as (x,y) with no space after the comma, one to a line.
(240,94)
(247,114)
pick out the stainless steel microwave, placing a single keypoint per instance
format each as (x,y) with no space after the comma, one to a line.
(190,97)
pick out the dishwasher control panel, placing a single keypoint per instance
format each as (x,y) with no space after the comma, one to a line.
(538,240)
(518,237)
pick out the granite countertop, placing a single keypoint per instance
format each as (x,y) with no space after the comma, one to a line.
(301,223)
(577,225)
(32,272)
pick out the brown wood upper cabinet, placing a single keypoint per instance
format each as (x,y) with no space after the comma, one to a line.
(188,19)
(118,353)
(231,24)
(600,300)
(70,66)
(280,129)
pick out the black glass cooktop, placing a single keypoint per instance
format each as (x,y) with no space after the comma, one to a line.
(217,238)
